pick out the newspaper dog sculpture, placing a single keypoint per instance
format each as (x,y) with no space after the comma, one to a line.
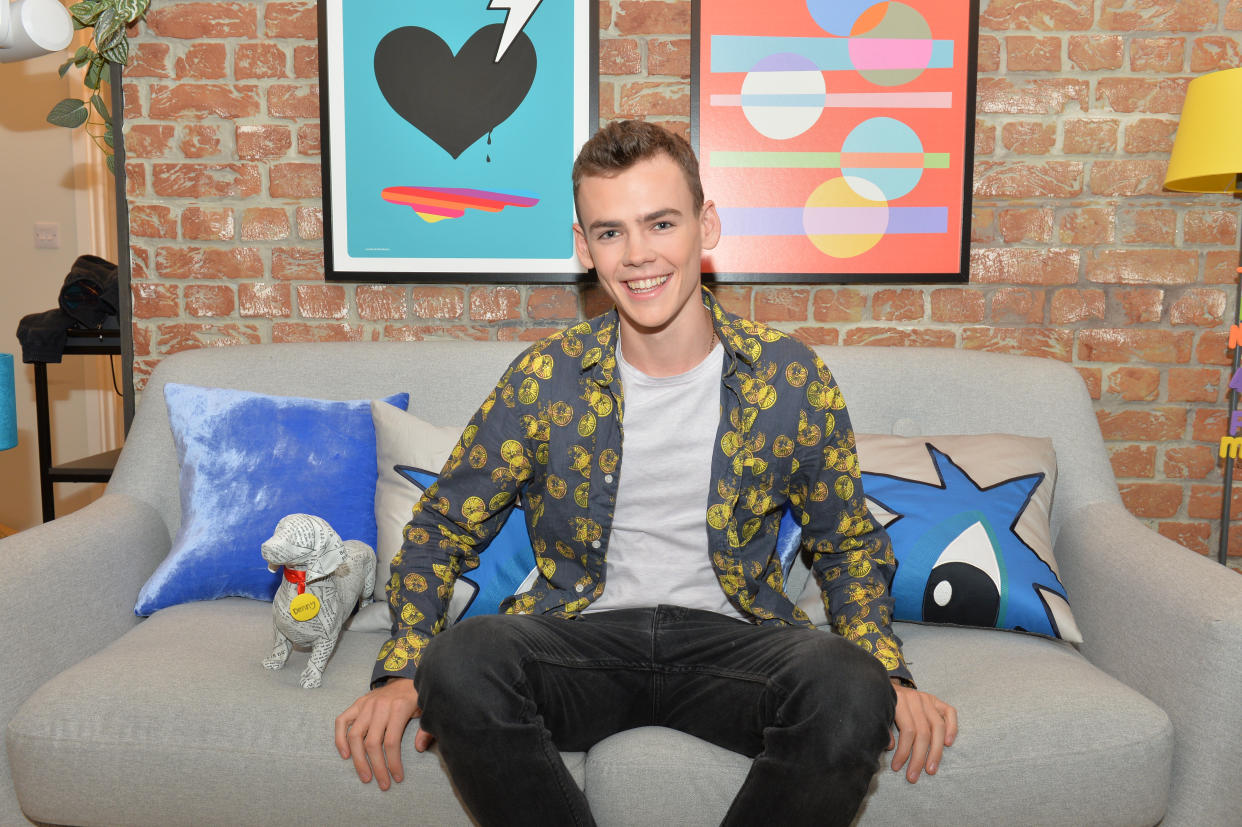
(324,578)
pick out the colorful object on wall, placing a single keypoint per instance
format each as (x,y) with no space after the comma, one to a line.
(1207,157)
(832,135)
(8,402)
(438,203)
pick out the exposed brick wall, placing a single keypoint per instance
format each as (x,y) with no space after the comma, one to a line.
(1077,252)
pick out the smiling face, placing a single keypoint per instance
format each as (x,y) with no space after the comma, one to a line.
(641,231)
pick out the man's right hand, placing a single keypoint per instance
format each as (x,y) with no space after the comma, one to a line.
(370,731)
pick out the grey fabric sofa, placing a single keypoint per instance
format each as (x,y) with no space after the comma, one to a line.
(172,720)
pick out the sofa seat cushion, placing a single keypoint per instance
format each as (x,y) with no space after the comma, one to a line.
(178,722)
(1045,738)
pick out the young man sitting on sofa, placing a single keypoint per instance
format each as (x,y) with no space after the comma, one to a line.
(659,600)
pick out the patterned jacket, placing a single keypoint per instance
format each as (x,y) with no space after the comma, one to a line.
(551,431)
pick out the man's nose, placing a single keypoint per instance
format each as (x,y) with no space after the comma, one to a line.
(637,249)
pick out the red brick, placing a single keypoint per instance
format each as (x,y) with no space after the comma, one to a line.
(292,20)
(1194,384)
(1017,305)
(812,336)
(133,101)
(1038,96)
(199,140)
(1033,14)
(1082,226)
(896,337)
(1208,425)
(1045,343)
(309,139)
(206,180)
(1026,53)
(1194,536)
(645,18)
(437,303)
(1025,224)
(152,221)
(1158,96)
(495,304)
(1213,349)
(1029,137)
(202,100)
(668,56)
(381,302)
(552,303)
(1135,384)
(1205,502)
(645,98)
(305,61)
(295,180)
(1159,16)
(781,304)
(322,301)
(1133,461)
(253,61)
(1071,305)
(524,334)
(1096,52)
(1147,225)
(199,224)
(142,339)
(1143,267)
(1220,267)
(155,300)
(985,138)
(209,300)
(303,332)
(1211,227)
(957,305)
(176,337)
(1129,345)
(1090,136)
(264,224)
(1150,424)
(202,61)
(982,225)
(1210,54)
(264,300)
(293,100)
(147,60)
(297,263)
(1128,178)
(139,262)
(897,305)
(1194,462)
(1157,54)
(1093,379)
(148,140)
(192,21)
(208,263)
(1148,500)
(1045,179)
(838,305)
(420,333)
(988,53)
(1233,15)
(310,223)
(607,101)
(734,298)
(1016,265)
(620,56)
(1141,305)
(258,142)
(1202,306)
(1150,135)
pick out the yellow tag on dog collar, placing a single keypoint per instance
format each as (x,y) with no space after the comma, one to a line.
(304,607)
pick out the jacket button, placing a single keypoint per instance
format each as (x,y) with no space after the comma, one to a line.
(580,588)
(595,544)
(607,477)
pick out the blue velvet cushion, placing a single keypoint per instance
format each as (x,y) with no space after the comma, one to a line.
(248,459)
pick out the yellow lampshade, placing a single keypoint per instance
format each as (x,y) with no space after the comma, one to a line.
(1207,154)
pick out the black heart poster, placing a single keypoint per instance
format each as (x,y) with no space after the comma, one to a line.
(450,131)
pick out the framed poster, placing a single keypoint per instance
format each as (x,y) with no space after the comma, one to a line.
(449,132)
(836,137)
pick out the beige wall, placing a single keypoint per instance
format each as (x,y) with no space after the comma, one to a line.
(41,181)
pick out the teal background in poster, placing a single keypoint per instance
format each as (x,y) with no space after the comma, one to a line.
(530,151)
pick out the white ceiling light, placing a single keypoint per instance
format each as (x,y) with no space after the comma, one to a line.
(29,28)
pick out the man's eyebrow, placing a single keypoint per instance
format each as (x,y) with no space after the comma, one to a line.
(613,224)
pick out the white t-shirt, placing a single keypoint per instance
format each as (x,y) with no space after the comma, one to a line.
(657,550)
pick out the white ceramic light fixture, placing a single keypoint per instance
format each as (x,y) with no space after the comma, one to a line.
(29,28)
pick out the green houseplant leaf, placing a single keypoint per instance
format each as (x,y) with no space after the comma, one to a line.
(70,113)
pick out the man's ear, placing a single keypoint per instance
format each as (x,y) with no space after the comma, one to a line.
(581,248)
(709,220)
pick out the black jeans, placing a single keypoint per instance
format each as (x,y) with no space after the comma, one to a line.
(502,694)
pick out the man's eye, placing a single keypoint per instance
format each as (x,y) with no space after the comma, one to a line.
(663,225)
(607,234)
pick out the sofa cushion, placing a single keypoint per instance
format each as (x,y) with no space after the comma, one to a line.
(178,723)
(247,460)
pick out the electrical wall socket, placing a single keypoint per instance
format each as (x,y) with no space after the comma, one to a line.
(46,235)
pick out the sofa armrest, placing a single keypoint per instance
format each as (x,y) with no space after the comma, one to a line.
(1167,622)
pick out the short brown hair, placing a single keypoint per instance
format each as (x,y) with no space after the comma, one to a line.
(618,146)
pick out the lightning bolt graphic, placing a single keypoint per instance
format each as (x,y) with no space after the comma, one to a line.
(518,13)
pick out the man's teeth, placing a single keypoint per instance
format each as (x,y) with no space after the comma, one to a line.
(639,285)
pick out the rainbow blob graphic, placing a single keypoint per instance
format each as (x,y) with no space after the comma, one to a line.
(843,138)
(438,203)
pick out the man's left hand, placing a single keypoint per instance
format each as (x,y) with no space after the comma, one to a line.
(925,726)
